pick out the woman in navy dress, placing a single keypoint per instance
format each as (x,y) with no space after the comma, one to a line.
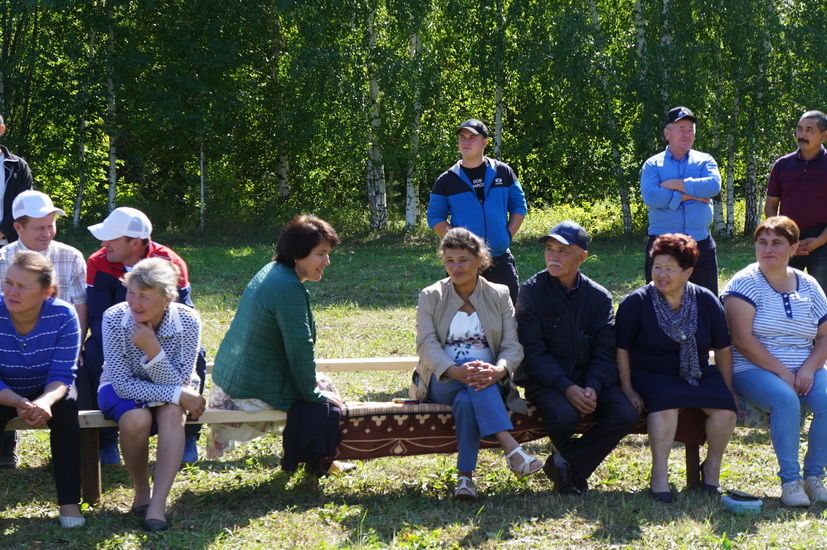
(664,333)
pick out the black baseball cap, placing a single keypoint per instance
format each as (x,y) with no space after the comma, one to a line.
(474,126)
(679,113)
(568,232)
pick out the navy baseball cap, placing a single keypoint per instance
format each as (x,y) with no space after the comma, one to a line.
(474,126)
(568,232)
(679,113)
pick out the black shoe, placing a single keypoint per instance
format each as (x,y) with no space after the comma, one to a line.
(664,497)
(139,511)
(8,450)
(706,487)
(153,525)
(561,477)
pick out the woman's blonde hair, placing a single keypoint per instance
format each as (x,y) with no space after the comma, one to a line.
(156,273)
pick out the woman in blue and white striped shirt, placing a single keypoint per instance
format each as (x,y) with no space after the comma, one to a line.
(777,319)
(39,344)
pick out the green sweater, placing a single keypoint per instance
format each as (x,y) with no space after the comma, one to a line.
(268,352)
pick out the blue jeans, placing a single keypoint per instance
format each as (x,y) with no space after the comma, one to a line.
(477,414)
(772,395)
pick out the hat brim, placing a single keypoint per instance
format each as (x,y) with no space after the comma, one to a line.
(42,213)
(685,117)
(470,129)
(102,233)
(556,237)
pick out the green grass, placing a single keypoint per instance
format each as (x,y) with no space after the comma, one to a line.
(365,307)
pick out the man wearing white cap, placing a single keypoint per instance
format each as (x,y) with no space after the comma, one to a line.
(35,222)
(125,240)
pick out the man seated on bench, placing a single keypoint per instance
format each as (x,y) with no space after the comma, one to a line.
(125,240)
(566,325)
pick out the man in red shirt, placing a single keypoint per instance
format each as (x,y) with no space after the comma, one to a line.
(798,189)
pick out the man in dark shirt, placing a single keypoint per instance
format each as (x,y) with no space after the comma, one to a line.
(797,189)
(565,322)
(483,195)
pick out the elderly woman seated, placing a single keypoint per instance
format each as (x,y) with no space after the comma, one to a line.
(150,345)
(664,333)
(39,345)
(777,317)
(466,338)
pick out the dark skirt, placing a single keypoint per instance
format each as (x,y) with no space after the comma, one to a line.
(661,391)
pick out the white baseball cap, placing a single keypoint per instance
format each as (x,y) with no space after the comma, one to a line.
(33,204)
(122,222)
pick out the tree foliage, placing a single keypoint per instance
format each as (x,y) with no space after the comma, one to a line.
(278,95)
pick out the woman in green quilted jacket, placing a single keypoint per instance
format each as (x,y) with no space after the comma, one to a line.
(266,360)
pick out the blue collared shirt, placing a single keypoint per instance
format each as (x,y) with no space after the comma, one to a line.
(667,212)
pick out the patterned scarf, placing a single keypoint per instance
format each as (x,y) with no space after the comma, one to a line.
(680,326)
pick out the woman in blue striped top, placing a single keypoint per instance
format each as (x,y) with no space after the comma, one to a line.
(39,344)
(777,318)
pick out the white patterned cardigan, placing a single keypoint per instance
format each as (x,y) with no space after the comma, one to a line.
(160,380)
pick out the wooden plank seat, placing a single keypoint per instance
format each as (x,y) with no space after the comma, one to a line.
(372,430)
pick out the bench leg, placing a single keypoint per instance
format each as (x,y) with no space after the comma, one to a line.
(693,466)
(90,465)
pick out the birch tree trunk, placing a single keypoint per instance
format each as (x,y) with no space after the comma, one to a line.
(81,172)
(377,195)
(666,45)
(751,215)
(498,90)
(283,172)
(730,170)
(82,145)
(203,184)
(411,190)
(611,123)
(110,106)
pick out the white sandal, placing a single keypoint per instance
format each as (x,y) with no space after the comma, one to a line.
(465,489)
(525,468)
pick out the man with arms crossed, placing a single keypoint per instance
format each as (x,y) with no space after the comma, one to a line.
(677,185)
(798,189)
(565,322)
(483,195)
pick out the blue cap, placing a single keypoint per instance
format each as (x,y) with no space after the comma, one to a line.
(568,232)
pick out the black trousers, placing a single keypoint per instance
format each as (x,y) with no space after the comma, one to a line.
(705,273)
(504,271)
(64,437)
(616,417)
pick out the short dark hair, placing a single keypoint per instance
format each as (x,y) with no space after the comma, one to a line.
(39,265)
(821,119)
(459,238)
(780,225)
(681,247)
(300,236)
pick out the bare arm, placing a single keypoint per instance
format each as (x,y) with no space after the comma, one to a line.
(625,374)
(740,315)
(771,206)
(514,223)
(815,361)
(442,228)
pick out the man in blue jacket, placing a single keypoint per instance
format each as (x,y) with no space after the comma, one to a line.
(677,185)
(483,195)
(565,322)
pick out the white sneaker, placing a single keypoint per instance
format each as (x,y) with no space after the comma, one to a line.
(814,487)
(793,494)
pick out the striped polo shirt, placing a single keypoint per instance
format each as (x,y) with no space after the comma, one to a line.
(786,323)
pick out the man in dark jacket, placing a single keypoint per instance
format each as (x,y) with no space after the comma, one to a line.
(15,177)
(565,322)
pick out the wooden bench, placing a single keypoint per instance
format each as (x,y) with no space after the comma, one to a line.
(690,426)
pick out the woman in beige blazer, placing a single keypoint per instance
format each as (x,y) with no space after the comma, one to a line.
(466,339)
